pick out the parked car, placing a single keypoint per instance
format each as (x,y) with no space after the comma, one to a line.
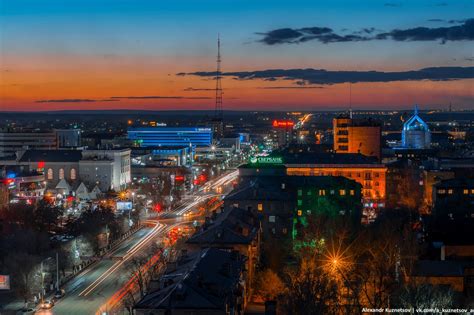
(26,311)
(59,294)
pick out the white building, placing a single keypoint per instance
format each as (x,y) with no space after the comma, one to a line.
(107,169)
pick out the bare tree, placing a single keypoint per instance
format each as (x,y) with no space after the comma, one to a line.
(309,289)
(425,296)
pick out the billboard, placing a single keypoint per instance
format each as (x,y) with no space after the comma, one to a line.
(4,282)
(124,205)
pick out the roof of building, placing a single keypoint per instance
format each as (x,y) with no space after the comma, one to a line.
(415,122)
(327,158)
(267,188)
(51,156)
(440,268)
(234,226)
(202,281)
(456,182)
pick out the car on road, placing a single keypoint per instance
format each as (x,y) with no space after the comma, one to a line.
(26,311)
(47,304)
(59,294)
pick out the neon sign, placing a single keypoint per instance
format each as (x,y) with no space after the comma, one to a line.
(266,160)
(283,123)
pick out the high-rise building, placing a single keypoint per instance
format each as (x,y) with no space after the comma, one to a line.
(68,138)
(357,136)
(416,133)
(283,132)
(11,142)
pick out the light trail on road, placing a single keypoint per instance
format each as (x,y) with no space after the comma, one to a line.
(127,256)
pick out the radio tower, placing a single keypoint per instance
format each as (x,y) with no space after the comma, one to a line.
(217,121)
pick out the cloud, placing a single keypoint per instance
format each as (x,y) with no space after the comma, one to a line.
(147,97)
(464,31)
(392,4)
(67,100)
(327,77)
(77,100)
(325,35)
(288,87)
(301,35)
(191,89)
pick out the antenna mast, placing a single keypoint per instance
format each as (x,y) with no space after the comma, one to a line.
(218,114)
(350,100)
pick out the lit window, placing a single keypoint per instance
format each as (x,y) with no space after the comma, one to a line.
(50,173)
(308,211)
(352,192)
(322,192)
(450,191)
(300,202)
(300,212)
(332,191)
(376,174)
(465,191)
(472,191)
(260,207)
(271,218)
(61,173)
(342,192)
(441,191)
(300,192)
(73,173)
(309,193)
(284,231)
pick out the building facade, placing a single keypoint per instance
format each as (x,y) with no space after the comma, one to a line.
(11,142)
(357,136)
(171,136)
(416,133)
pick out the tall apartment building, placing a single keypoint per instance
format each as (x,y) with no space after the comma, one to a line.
(11,142)
(283,132)
(357,136)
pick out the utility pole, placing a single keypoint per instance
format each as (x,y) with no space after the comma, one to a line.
(57,271)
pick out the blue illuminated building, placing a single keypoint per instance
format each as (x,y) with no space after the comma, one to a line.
(416,133)
(171,136)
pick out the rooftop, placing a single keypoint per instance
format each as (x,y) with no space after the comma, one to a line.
(202,281)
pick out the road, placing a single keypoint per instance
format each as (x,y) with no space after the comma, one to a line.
(94,290)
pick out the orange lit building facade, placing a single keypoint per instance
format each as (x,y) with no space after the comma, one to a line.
(357,136)
(372,177)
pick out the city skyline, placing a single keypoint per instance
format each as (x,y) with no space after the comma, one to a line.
(145,55)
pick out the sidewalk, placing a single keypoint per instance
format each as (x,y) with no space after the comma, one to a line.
(9,303)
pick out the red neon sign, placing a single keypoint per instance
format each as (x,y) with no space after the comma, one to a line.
(41,164)
(179,178)
(283,123)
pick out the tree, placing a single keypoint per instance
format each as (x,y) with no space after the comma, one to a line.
(309,289)
(384,254)
(46,215)
(269,286)
(22,269)
(425,296)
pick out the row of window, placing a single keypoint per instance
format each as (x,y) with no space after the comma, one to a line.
(367,175)
(72,173)
(322,192)
(451,191)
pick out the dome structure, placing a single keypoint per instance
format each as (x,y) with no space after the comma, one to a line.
(416,133)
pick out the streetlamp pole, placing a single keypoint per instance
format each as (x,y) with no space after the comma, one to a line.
(57,271)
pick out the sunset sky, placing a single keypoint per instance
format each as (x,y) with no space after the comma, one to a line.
(277,55)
